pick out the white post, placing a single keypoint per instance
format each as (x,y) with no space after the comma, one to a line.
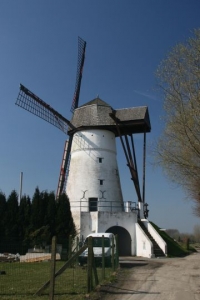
(141,209)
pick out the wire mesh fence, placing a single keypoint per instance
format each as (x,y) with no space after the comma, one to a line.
(30,276)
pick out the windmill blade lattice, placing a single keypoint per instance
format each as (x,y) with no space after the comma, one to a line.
(32,103)
(81,59)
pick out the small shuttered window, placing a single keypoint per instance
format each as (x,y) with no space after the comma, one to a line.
(93,204)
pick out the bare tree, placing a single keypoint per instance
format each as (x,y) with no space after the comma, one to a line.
(173,233)
(196,233)
(178,148)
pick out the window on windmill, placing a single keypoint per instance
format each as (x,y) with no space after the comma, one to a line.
(93,204)
(101,181)
(100,159)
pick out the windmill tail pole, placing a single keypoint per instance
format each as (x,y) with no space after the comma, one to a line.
(144,167)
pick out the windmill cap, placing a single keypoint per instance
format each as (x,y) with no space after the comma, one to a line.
(97,101)
(99,114)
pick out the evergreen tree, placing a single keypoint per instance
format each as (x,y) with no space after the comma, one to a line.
(45,196)
(64,221)
(34,223)
(51,213)
(37,216)
(24,220)
(12,215)
(2,215)
(43,217)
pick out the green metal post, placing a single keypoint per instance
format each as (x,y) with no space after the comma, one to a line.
(113,254)
(70,247)
(53,266)
(89,265)
(117,252)
(103,258)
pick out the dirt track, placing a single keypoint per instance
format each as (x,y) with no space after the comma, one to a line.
(156,279)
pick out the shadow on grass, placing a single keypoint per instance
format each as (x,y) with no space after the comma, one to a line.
(121,291)
(132,264)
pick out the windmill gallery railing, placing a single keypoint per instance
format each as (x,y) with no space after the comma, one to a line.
(108,206)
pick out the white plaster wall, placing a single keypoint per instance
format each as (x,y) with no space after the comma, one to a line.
(77,220)
(102,221)
(159,240)
(85,171)
(89,223)
(144,246)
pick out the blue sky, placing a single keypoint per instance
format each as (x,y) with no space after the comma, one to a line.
(126,41)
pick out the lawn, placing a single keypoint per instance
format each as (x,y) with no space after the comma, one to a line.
(22,280)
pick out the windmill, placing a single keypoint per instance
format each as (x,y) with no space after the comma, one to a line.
(93,184)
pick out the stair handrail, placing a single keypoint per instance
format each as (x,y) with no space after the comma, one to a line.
(155,235)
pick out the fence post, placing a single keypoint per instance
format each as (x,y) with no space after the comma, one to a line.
(117,252)
(77,247)
(53,264)
(70,247)
(113,254)
(61,270)
(94,269)
(89,265)
(187,243)
(103,258)
(77,243)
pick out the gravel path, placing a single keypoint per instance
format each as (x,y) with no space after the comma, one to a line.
(156,279)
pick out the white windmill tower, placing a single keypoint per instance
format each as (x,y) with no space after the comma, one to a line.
(93,184)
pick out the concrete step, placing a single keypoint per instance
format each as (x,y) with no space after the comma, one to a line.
(157,250)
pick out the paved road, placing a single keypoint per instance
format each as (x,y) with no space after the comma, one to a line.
(157,279)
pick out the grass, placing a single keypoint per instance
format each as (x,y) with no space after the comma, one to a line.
(22,280)
(174,249)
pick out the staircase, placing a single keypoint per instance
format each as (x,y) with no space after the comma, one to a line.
(156,249)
